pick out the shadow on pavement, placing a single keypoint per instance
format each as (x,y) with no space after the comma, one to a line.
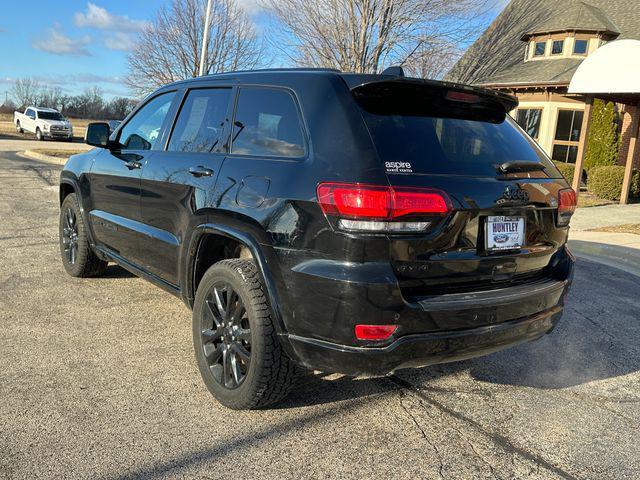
(595,340)
(319,389)
(116,271)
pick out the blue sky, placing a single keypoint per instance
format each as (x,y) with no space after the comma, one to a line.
(77,44)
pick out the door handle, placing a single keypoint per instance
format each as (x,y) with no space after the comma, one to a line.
(200,171)
(132,164)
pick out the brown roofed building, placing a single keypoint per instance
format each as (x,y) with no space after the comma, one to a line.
(533,49)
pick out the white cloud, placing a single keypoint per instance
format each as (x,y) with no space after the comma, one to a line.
(251,7)
(121,41)
(92,78)
(100,18)
(70,79)
(58,43)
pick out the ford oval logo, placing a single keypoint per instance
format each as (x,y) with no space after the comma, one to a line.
(502,238)
(515,194)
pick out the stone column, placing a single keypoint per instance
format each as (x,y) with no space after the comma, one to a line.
(631,152)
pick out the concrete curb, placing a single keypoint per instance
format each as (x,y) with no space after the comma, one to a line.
(616,256)
(42,157)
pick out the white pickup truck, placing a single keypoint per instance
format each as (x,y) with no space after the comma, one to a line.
(44,122)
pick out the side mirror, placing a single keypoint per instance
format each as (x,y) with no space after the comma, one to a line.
(97,135)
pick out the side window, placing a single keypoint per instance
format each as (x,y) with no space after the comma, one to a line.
(30,113)
(141,132)
(580,47)
(568,132)
(267,124)
(557,47)
(529,119)
(200,121)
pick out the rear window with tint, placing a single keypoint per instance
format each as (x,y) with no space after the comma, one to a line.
(452,146)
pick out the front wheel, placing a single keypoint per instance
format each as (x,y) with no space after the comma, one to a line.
(78,258)
(39,135)
(237,350)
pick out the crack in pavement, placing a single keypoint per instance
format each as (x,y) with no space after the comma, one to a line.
(505,443)
(424,435)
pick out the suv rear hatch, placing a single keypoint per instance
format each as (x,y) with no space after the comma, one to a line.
(502,227)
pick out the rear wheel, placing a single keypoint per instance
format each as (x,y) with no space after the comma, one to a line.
(18,127)
(39,135)
(77,256)
(238,353)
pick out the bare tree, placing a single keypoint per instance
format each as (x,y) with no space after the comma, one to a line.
(169,48)
(433,59)
(120,107)
(89,104)
(25,92)
(368,35)
(52,97)
(499,47)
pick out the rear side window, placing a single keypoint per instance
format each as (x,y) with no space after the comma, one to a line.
(267,123)
(450,146)
(201,120)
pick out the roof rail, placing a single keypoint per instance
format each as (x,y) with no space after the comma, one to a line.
(266,70)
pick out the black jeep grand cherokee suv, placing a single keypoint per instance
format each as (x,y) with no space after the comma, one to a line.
(340,222)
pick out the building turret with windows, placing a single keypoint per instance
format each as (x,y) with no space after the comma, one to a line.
(533,49)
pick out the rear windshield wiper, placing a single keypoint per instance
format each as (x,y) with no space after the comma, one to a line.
(516,166)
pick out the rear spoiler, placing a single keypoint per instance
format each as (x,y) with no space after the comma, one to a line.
(412,96)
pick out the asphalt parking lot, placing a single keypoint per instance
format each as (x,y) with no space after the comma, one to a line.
(97,380)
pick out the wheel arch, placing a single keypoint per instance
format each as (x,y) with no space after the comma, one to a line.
(69,185)
(202,233)
(66,189)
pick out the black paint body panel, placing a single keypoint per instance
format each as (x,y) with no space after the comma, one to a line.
(322,282)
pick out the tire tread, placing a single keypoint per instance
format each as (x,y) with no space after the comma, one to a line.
(277,373)
(87,264)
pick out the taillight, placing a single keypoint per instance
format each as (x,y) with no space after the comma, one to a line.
(567,202)
(381,208)
(374,332)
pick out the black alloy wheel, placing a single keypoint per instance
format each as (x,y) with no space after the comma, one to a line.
(226,340)
(78,258)
(236,344)
(70,235)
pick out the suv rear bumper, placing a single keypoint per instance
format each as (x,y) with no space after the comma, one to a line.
(422,349)
(329,298)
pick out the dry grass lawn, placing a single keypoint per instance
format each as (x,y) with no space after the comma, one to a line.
(586,199)
(627,228)
(57,153)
